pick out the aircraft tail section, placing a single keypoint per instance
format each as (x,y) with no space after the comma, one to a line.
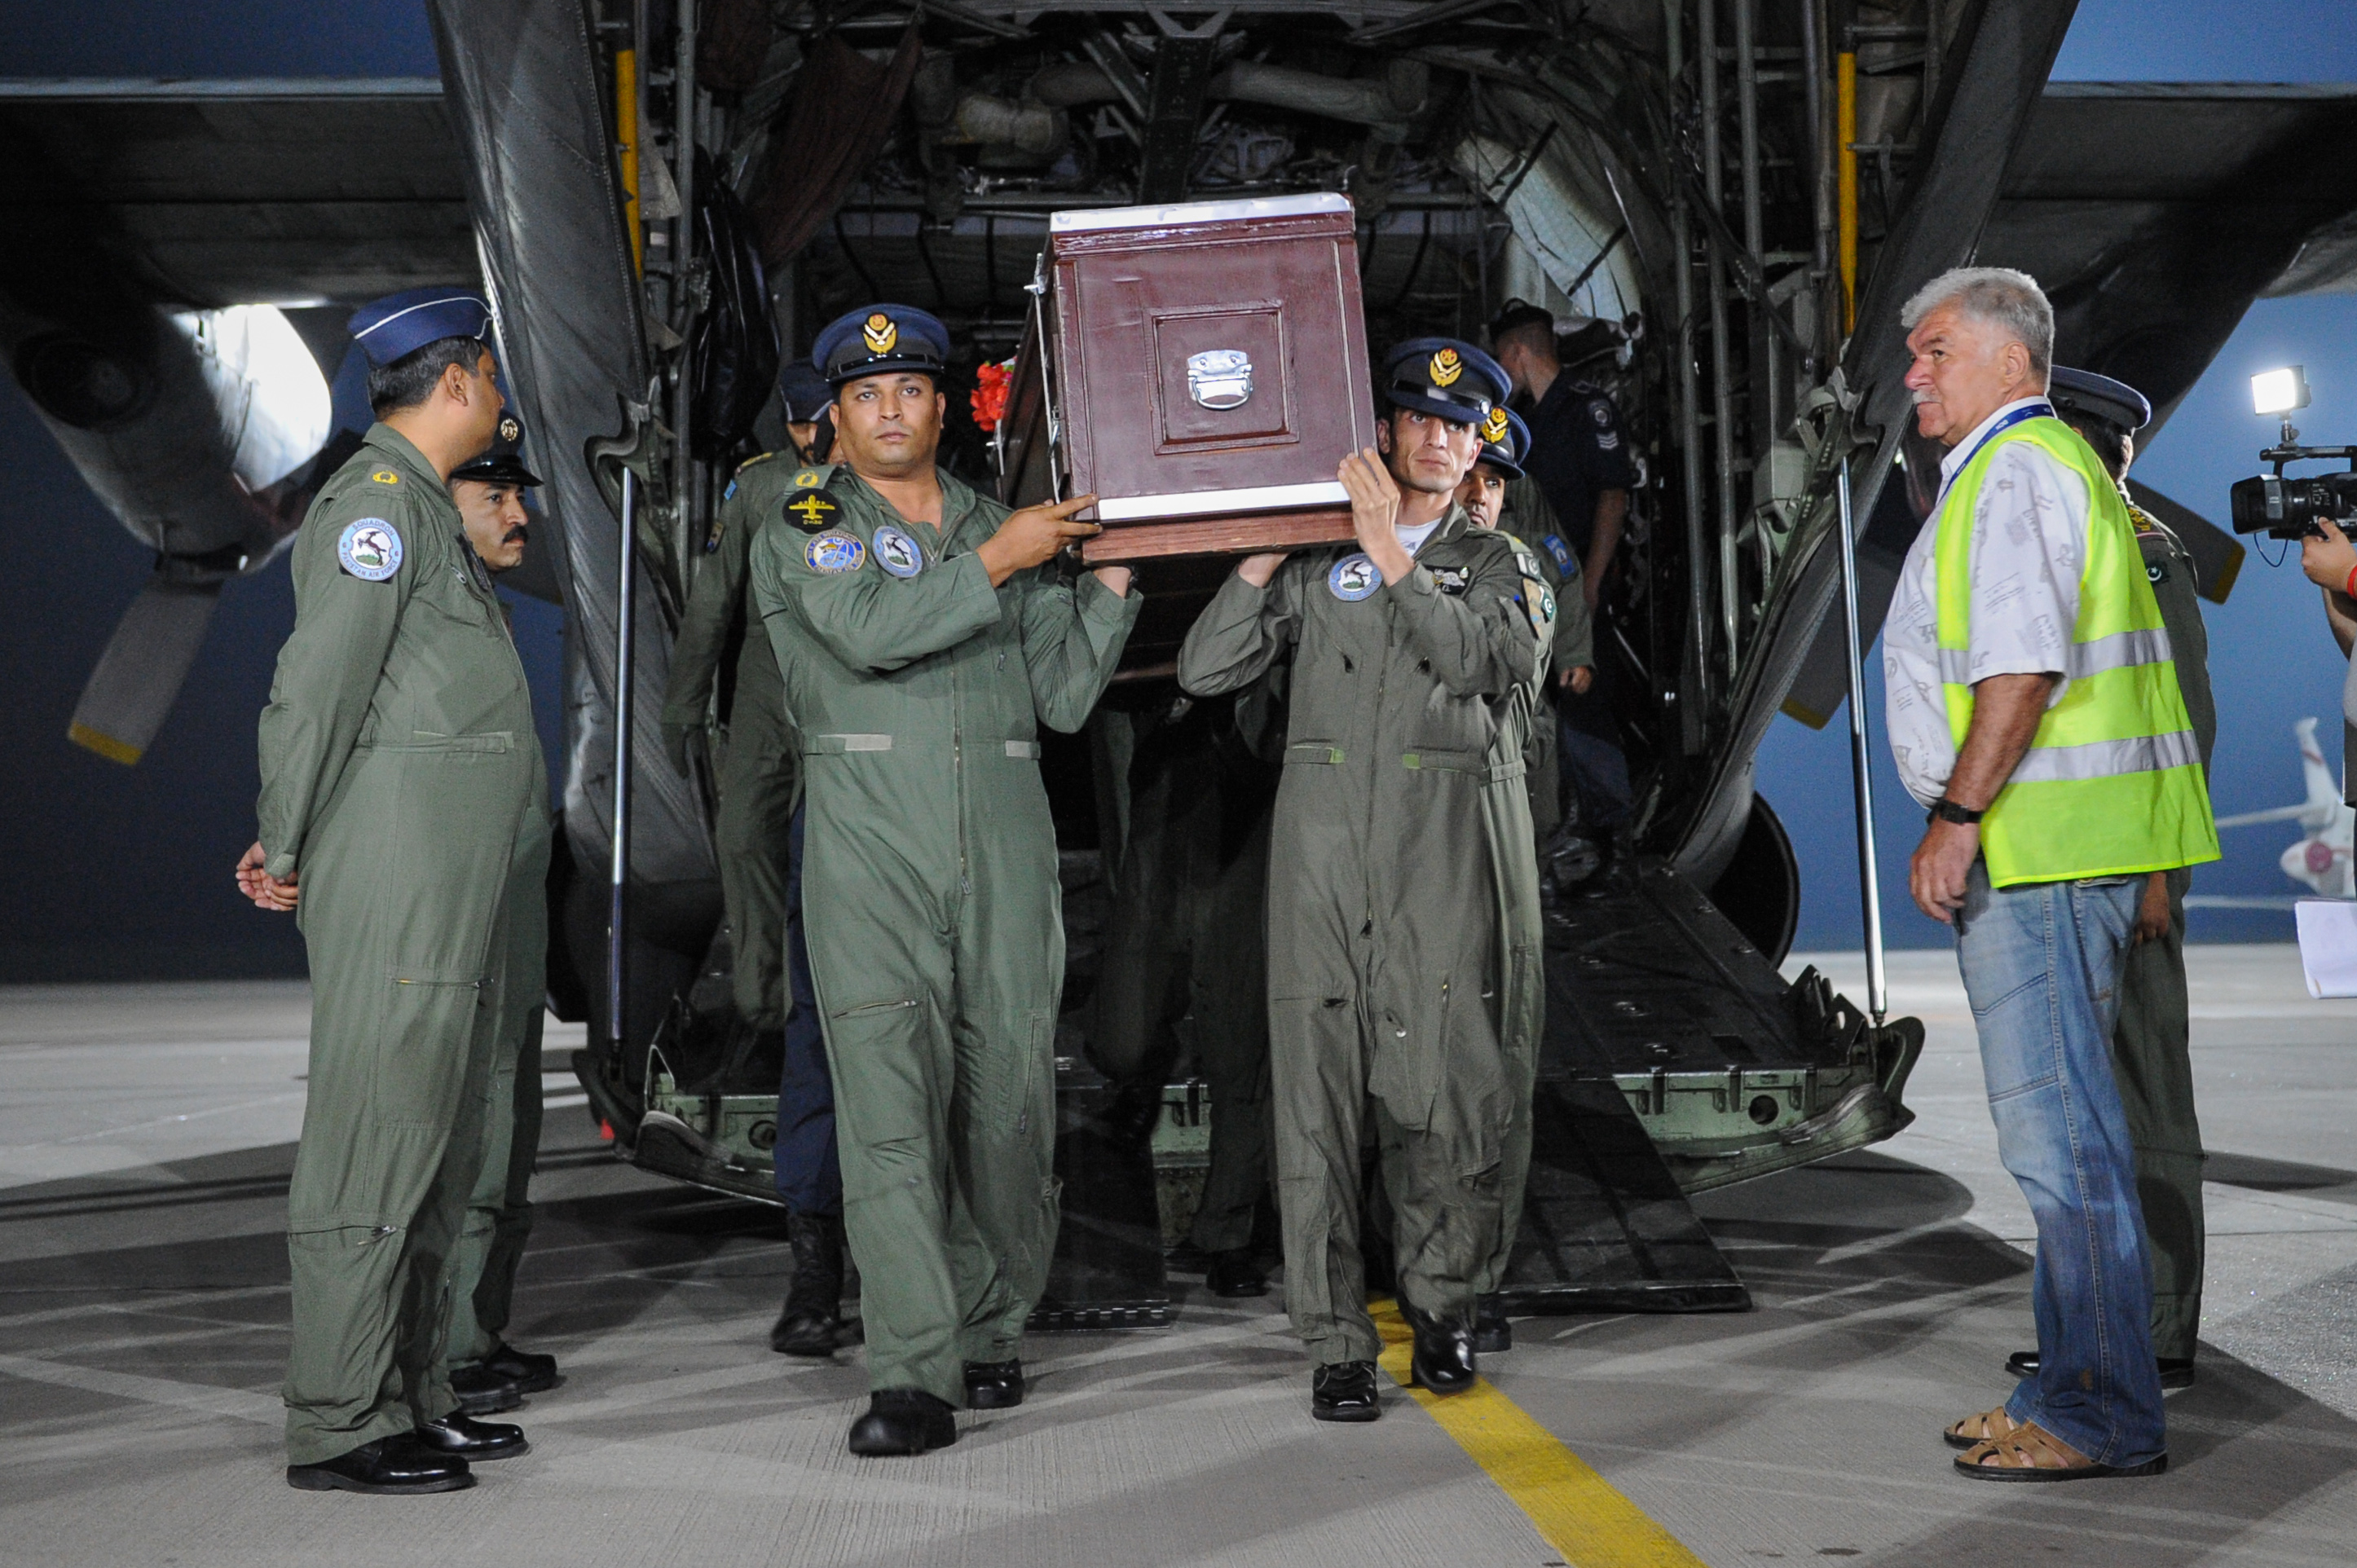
(2323,793)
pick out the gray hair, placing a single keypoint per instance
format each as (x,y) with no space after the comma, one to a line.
(2008,300)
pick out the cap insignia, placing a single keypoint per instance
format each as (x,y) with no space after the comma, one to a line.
(1493,429)
(880,333)
(510,431)
(1446,368)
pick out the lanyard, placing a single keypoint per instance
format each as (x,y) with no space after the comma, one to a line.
(2042,409)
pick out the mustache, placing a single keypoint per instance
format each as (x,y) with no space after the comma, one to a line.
(1924,396)
(519,534)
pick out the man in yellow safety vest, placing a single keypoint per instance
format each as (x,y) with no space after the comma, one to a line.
(2034,709)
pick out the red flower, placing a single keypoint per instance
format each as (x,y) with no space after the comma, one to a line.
(989,397)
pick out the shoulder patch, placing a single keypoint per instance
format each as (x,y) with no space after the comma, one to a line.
(369,549)
(814,478)
(812,511)
(1559,550)
(1528,566)
(1353,579)
(385,476)
(835,553)
(1452,579)
(897,552)
(756,457)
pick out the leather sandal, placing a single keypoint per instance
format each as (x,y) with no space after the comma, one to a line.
(2030,1453)
(1991,1426)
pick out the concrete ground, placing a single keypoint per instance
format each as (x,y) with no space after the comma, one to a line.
(146,1132)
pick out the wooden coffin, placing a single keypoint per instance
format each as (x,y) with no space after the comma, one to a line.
(1201,367)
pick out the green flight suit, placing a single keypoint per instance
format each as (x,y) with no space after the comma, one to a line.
(499,1212)
(934,917)
(1508,811)
(2152,1042)
(756,767)
(1526,516)
(399,769)
(1185,965)
(1385,947)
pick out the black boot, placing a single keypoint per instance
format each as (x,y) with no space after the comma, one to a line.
(1345,1391)
(811,1321)
(994,1385)
(1492,1335)
(903,1421)
(1231,1273)
(461,1436)
(1443,1360)
(484,1391)
(390,1465)
(531,1373)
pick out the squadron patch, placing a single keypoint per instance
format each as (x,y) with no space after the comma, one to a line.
(1452,579)
(1353,579)
(1446,368)
(814,513)
(834,552)
(897,552)
(385,476)
(1559,550)
(370,549)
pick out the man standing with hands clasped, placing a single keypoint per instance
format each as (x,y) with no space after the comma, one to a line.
(2034,708)
(1385,966)
(922,644)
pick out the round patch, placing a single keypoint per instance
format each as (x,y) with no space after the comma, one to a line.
(370,549)
(897,552)
(834,552)
(1602,413)
(510,431)
(1353,579)
(813,511)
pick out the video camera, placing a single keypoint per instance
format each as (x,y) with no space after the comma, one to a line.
(2290,509)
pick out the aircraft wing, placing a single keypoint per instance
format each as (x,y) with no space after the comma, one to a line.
(2153,213)
(244,192)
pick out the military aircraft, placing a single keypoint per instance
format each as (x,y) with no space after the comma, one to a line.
(1727,201)
(2322,857)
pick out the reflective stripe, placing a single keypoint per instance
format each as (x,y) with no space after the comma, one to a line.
(2107,759)
(2117,651)
(1314,751)
(828,745)
(1026,750)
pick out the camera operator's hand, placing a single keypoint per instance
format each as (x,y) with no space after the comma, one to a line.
(2327,557)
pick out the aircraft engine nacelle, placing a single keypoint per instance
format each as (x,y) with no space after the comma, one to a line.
(195,429)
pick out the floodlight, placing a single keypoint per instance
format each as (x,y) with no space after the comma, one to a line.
(2279,391)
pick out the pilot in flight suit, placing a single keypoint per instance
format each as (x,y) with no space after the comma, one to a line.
(399,771)
(920,656)
(1383,914)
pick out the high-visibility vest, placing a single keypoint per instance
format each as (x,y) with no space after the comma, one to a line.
(2113,782)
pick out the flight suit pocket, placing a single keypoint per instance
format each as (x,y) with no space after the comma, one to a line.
(422,1043)
(886,1085)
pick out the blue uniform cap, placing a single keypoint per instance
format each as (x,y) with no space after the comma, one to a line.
(1505,441)
(803,392)
(878,339)
(1446,377)
(2101,396)
(401,324)
(502,461)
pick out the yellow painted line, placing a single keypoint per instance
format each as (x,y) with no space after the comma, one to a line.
(1577,1511)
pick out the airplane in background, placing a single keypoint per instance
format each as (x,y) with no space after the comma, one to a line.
(1728,199)
(2322,858)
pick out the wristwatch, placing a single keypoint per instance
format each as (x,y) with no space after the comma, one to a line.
(1946,811)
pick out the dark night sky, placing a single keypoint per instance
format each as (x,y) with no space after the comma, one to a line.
(125,872)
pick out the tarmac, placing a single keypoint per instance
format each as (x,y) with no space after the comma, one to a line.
(146,1133)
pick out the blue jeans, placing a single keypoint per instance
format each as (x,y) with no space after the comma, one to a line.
(809,1175)
(2041,965)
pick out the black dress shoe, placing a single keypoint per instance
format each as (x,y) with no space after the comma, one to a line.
(1345,1391)
(394,1466)
(903,1421)
(482,1391)
(1231,1275)
(2176,1371)
(530,1372)
(1492,1335)
(1443,1358)
(994,1385)
(462,1437)
(811,1323)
